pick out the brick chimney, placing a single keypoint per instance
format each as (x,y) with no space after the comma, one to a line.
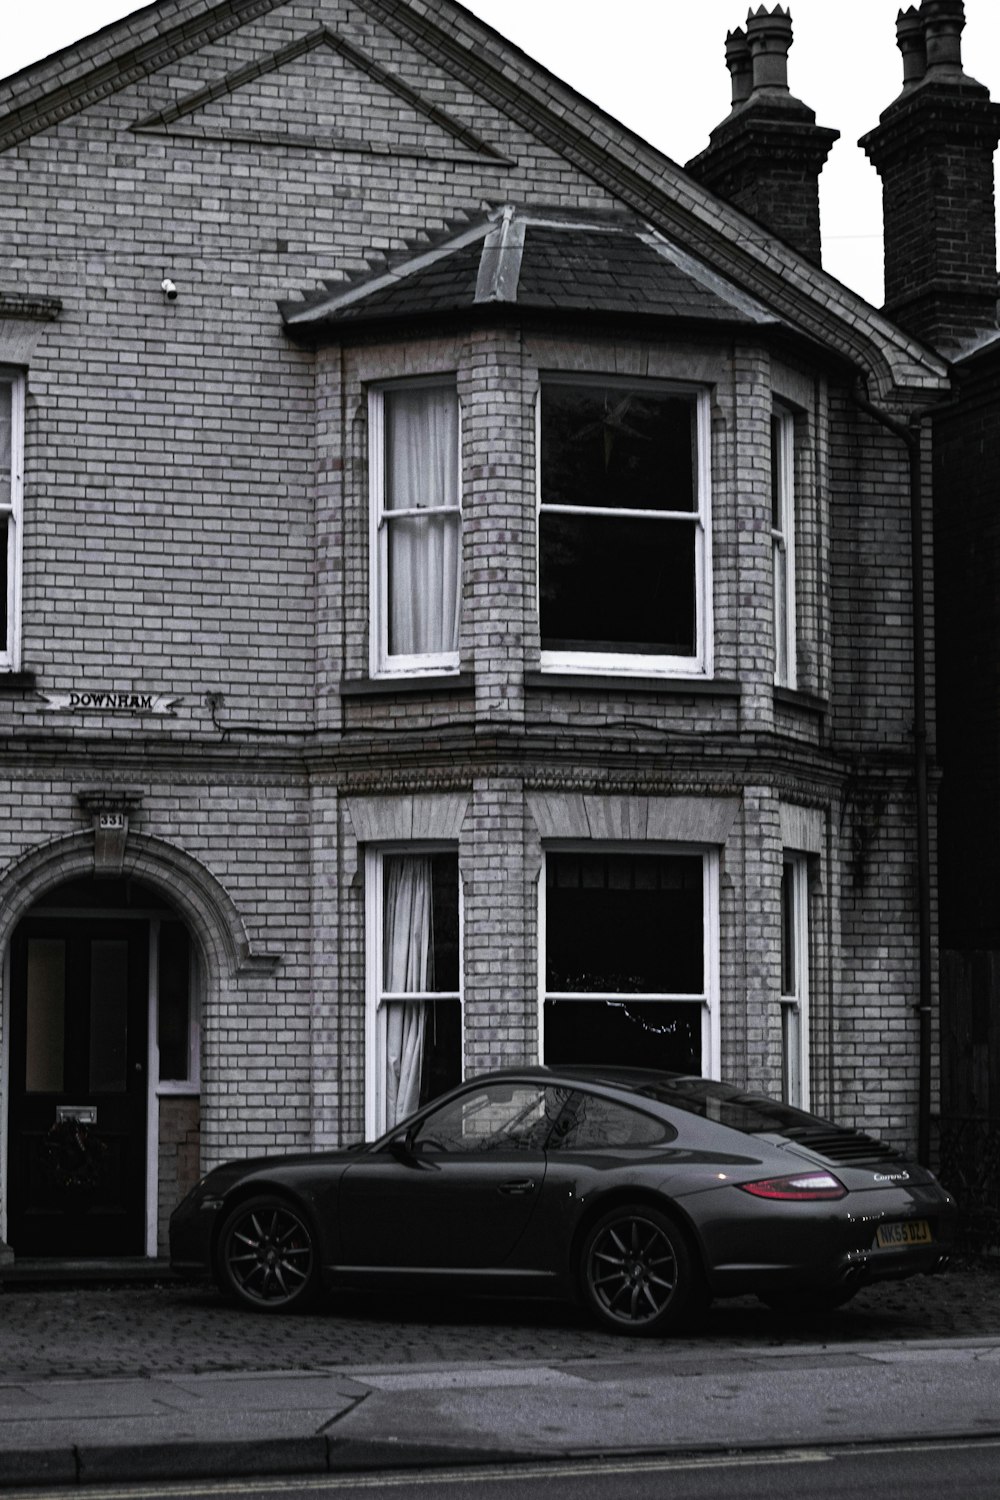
(933,150)
(767,154)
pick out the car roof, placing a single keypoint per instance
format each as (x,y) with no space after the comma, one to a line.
(613,1076)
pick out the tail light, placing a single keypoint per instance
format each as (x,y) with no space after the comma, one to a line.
(803,1187)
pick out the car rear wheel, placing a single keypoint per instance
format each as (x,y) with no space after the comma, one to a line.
(637,1272)
(267,1256)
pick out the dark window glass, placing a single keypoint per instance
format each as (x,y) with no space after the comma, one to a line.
(4,566)
(174,1015)
(610,583)
(752,1113)
(611,446)
(623,924)
(497,1117)
(776,517)
(591,1122)
(444,925)
(788,982)
(636,1033)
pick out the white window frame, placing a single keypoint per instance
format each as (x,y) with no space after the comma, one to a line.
(795,998)
(376,997)
(783,542)
(11,507)
(708,999)
(629,663)
(381,663)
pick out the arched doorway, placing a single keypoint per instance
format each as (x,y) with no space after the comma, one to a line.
(103,1025)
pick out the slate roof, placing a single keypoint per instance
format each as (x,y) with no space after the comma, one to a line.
(530,258)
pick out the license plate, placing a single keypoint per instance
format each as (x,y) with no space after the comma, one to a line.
(912,1232)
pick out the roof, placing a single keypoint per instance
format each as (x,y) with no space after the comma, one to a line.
(690,216)
(543,260)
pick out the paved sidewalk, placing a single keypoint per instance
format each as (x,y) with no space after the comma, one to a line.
(148,1382)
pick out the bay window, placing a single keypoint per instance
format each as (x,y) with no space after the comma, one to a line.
(630,959)
(416,527)
(11,463)
(414,1030)
(624,562)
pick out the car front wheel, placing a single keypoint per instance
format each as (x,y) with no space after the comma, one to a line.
(267,1256)
(637,1273)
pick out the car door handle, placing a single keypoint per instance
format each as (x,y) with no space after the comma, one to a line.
(523,1185)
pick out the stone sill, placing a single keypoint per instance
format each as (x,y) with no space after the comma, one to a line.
(393,687)
(618,682)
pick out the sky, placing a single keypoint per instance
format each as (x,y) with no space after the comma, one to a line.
(658,66)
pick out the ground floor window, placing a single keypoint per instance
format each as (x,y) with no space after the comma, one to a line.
(414,1032)
(795,980)
(630,959)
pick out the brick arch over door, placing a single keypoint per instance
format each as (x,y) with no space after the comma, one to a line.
(193,891)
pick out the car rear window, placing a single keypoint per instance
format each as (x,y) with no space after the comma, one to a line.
(590,1122)
(720,1102)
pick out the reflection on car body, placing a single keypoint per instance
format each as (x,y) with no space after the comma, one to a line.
(645,1194)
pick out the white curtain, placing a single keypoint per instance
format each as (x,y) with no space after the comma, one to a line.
(424,551)
(406,969)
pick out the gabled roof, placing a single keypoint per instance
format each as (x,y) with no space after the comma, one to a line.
(661,193)
(545,260)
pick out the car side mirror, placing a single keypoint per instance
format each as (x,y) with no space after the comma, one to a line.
(401,1147)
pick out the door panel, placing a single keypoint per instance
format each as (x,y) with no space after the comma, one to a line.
(78,1088)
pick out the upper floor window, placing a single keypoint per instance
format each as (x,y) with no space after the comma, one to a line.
(11,462)
(783,544)
(624,566)
(416,527)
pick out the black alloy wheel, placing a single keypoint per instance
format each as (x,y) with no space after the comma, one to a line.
(267,1255)
(637,1273)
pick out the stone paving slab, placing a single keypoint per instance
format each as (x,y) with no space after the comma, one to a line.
(173,1328)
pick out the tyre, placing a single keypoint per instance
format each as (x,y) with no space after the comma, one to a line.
(637,1272)
(267,1256)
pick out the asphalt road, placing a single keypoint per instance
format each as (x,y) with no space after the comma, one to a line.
(892,1471)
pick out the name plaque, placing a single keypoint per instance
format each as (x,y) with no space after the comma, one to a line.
(96,702)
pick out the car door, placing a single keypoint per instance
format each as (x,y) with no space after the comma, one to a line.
(465,1191)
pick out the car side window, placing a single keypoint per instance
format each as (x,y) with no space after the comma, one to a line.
(591,1122)
(496,1117)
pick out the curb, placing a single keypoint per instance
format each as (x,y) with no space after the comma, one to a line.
(326,1455)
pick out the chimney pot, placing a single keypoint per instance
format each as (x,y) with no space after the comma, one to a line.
(740,66)
(912,44)
(944,22)
(769,36)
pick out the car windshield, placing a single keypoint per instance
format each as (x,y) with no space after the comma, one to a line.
(753,1114)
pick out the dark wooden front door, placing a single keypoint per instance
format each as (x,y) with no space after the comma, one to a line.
(78,1088)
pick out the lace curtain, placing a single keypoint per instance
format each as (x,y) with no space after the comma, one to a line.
(424,550)
(407,969)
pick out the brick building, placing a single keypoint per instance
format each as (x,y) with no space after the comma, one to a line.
(460,602)
(934,148)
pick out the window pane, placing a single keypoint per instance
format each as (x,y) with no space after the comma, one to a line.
(424,567)
(421,440)
(6,442)
(779,562)
(174,1010)
(621,924)
(4,574)
(46,1005)
(788,963)
(108,1016)
(777,520)
(501,1117)
(592,1122)
(613,446)
(609,584)
(633,1033)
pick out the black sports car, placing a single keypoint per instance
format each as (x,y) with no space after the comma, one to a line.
(644,1193)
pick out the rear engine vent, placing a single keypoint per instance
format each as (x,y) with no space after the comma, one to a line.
(845,1148)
